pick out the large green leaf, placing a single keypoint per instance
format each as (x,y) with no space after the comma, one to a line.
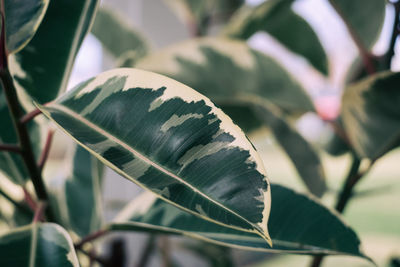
(22,19)
(76,192)
(371,114)
(224,70)
(43,67)
(298,224)
(278,19)
(38,244)
(168,138)
(302,154)
(117,36)
(364,19)
(11,164)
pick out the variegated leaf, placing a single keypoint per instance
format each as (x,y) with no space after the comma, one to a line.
(43,67)
(277,18)
(224,69)
(11,164)
(363,19)
(371,114)
(38,244)
(169,139)
(22,19)
(314,229)
(117,36)
(76,192)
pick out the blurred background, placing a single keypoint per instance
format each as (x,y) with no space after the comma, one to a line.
(375,210)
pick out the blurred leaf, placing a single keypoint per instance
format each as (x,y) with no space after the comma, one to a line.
(358,71)
(117,36)
(38,244)
(11,164)
(216,256)
(43,67)
(224,69)
(371,114)
(170,140)
(22,18)
(76,192)
(298,224)
(302,154)
(363,19)
(278,19)
(201,13)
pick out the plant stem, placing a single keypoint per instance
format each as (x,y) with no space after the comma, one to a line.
(10,148)
(91,237)
(24,140)
(353,177)
(31,115)
(40,208)
(147,250)
(17,204)
(46,150)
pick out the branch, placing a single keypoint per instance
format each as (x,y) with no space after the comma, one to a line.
(91,237)
(39,212)
(30,116)
(16,203)
(24,139)
(46,150)
(10,148)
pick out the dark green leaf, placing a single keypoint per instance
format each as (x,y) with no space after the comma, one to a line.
(224,69)
(118,37)
(171,140)
(364,19)
(76,192)
(22,18)
(302,154)
(39,244)
(11,164)
(43,67)
(371,114)
(278,19)
(298,224)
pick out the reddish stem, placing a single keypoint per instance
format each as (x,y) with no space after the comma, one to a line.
(39,212)
(29,200)
(90,238)
(10,148)
(29,116)
(46,150)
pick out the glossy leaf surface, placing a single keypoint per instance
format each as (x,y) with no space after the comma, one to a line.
(43,67)
(169,139)
(40,244)
(298,224)
(118,37)
(11,164)
(76,192)
(302,154)
(224,69)
(22,19)
(364,19)
(371,114)
(278,19)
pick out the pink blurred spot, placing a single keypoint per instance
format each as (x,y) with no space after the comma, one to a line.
(328,107)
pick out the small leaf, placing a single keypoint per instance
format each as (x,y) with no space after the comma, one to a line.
(302,154)
(76,192)
(278,19)
(371,114)
(11,164)
(43,67)
(39,244)
(118,37)
(224,69)
(363,19)
(171,140)
(22,19)
(298,224)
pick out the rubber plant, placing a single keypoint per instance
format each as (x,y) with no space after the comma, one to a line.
(153,121)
